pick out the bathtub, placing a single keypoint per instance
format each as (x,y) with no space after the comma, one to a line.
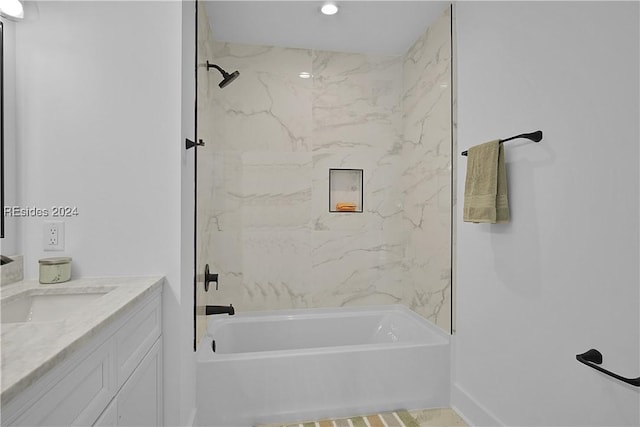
(297,365)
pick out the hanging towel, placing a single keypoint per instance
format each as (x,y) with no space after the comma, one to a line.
(485,188)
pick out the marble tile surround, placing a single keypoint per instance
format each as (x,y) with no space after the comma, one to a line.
(426,173)
(271,137)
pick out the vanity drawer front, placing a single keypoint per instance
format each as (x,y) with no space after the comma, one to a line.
(136,337)
(78,398)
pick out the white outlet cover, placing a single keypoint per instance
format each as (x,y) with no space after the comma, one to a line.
(50,228)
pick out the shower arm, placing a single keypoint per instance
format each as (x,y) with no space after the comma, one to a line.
(223,72)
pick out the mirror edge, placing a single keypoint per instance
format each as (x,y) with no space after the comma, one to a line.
(2,128)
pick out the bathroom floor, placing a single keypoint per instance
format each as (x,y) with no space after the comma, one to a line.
(444,417)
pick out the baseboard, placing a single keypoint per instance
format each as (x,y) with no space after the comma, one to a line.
(471,411)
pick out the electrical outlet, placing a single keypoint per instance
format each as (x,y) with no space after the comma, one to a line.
(53,236)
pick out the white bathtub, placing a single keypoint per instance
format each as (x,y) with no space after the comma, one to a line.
(294,365)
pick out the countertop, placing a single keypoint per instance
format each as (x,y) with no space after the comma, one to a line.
(31,349)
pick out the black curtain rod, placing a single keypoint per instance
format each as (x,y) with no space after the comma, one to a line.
(533,136)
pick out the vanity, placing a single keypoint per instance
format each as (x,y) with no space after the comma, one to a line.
(86,352)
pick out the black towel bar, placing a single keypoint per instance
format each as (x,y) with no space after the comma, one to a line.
(593,358)
(533,136)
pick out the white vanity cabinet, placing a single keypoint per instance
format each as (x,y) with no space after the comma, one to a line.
(114,379)
(109,417)
(139,401)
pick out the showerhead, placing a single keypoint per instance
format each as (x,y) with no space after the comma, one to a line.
(226,77)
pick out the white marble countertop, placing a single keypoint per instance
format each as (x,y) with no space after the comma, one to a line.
(31,349)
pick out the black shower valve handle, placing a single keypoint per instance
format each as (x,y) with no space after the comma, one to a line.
(209,277)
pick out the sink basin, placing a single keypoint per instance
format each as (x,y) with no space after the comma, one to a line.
(45,307)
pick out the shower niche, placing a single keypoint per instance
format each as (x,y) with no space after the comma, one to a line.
(345,190)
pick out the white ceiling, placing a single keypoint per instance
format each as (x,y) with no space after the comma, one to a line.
(373,27)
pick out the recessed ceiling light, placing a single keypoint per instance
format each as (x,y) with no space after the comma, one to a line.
(11,9)
(305,75)
(329,9)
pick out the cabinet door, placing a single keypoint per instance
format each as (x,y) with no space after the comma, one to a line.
(78,398)
(109,417)
(140,399)
(136,337)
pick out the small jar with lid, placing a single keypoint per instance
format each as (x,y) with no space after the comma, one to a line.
(55,270)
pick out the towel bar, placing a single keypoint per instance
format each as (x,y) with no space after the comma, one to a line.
(593,358)
(533,136)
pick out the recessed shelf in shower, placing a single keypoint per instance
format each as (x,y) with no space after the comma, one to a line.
(345,190)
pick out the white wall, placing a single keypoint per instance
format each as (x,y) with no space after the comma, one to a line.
(100,95)
(563,276)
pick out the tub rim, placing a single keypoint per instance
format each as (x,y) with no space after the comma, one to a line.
(205,354)
(308,313)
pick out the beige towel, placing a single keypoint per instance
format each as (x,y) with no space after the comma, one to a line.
(485,188)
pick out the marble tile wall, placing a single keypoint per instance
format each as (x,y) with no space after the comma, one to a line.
(271,137)
(427,171)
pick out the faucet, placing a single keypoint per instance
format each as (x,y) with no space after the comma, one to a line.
(219,309)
